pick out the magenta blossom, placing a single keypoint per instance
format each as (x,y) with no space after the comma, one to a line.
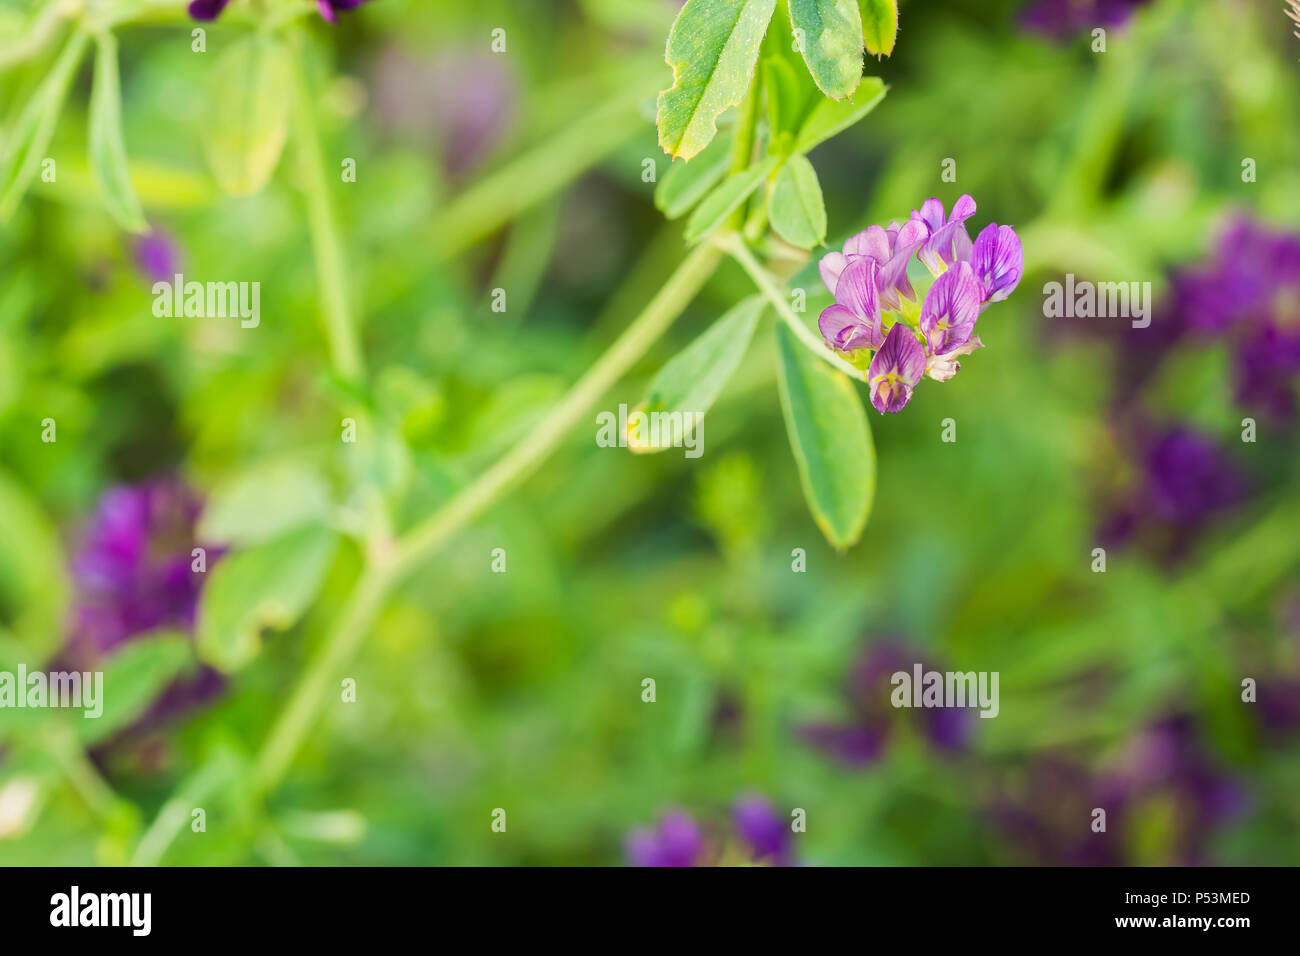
(853,322)
(896,369)
(946,239)
(998,261)
(951,307)
(891,249)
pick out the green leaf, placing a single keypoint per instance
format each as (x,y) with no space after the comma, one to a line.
(107,151)
(795,206)
(712,48)
(688,181)
(879,25)
(269,585)
(831,441)
(248,95)
(691,380)
(829,35)
(830,118)
(133,679)
(263,502)
(726,199)
(33,580)
(26,143)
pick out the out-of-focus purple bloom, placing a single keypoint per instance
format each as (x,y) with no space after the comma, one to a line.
(1065,18)
(157,256)
(853,322)
(457,101)
(1265,371)
(891,249)
(1186,481)
(207,9)
(676,841)
(863,737)
(895,370)
(132,575)
(998,261)
(759,825)
(950,309)
(946,239)
(1048,814)
(211,9)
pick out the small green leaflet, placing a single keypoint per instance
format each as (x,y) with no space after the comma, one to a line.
(830,118)
(712,49)
(690,382)
(133,678)
(689,181)
(726,199)
(107,151)
(795,206)
(829,35)
(831,441)
(25,144)
(266,586)
(879,25)
(248,119)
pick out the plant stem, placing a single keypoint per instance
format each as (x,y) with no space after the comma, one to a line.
(386,572)
(737,249)
(331,267)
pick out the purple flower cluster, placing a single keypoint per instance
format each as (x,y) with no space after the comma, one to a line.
(1062,19)
(132,575)
(861,738)
(869,278)
(211,9)
(679,840)
(1165,774)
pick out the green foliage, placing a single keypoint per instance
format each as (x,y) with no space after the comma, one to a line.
(247,121)
(107,151)
(268,585)
(689,181)
(795,206)
(829,118)
(134,676)
(831,441)
(727,198)
(712,49)
(829,36)
(879,25)
(691,381)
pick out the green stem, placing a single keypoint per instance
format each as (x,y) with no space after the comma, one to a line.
(331,266)
(737,249)
(378,580)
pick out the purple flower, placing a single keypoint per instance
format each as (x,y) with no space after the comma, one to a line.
(891,249)
(862,739)
(1188,478)
(946,239)
(211,9)
(853,322)
(676,841)
(157,256)
(950,309)
(998,261)
(1065,18)
(207,9)
(1265,370)
(767,834)
(895,370)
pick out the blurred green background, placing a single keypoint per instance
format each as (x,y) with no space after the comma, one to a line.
(521,690)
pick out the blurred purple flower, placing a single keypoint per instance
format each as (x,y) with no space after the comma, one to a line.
(211,9)
(760,826)
(862,738)
(676,841)
(460,101)
(1062,19)
(1186,481)
(132,575)
(1047,813)
(157,256)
